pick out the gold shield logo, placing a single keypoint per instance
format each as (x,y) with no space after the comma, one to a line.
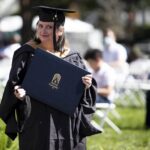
(55,81)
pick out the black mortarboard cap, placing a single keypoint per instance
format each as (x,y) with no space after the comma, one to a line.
(52,14)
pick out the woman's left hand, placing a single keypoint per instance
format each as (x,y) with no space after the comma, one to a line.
(87,80)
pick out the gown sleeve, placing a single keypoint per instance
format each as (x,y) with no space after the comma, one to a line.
(9,102)
(89,97)
(86,108)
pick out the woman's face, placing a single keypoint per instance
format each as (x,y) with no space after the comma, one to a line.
(45,31)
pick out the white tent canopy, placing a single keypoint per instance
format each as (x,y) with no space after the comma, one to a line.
(11,23)
(78,26)
(7,7)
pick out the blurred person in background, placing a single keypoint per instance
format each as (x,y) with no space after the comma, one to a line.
(115,54)
(6,55)
(103,74)
(14,43)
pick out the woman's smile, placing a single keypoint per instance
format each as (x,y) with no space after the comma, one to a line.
(44,35)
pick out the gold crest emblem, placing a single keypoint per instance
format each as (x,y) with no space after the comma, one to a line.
(55,81)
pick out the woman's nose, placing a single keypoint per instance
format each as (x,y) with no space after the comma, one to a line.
(44,30)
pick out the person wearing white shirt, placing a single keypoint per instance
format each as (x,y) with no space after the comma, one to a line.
(103,74)
(115,55)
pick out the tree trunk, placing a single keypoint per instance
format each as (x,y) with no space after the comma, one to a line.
(26,14)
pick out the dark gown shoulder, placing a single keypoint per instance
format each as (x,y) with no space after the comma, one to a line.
(72,53)
(74,58)
(26,48)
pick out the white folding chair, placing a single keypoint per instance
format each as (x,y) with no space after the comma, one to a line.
(102,112)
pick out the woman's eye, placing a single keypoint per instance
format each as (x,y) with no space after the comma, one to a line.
(40,26)
(49,27)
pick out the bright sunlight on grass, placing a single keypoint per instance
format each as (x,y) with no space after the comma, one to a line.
(133,137)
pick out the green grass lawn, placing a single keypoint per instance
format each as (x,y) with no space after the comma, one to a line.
(133,136)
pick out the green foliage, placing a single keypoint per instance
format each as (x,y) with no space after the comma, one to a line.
(141,32)
(5,142)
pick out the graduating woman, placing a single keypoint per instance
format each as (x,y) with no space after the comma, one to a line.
(40,126)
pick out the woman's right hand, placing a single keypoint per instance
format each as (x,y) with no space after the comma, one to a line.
(19,92)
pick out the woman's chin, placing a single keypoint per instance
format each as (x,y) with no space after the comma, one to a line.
(44,40)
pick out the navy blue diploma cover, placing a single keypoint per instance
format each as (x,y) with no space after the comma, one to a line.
(55,82)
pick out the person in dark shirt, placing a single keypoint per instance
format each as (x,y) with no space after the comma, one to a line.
(147,117)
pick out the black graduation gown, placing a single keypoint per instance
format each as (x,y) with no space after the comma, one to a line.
(41,127)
